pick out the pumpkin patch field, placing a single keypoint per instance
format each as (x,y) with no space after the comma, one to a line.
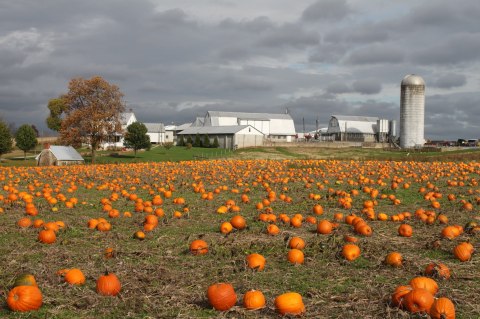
(241,239)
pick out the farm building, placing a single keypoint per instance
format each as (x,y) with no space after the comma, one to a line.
(276,127)
(171,131)
(116,141)
(228,136)
(156,132)
(353,128)
(59,156)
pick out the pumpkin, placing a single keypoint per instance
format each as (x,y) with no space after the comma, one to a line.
(273,230)
(24,222)
(324,227)
(394,259)
(350,239)
(25,280)
(289,303)
(462,252)
(295,256)
(24,298)
(109,253)
(199,247)
(442,308)
(425,283)
(398,295)
(238,222)
(108,285)
(226,228)
(75,277)
(256,261)
(450,232)
(296,242)
(350,252)
(437,270)
(47,236)
(253,300)
(140,235)
(405,230)
(221,296)
(418,300)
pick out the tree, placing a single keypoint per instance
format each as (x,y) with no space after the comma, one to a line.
(5,138)
(189,140)
(206,141)
(215,143)
(37,133)
(57,108)
(25,139)
(137,137)
(92,112)
(181,141)
(198,142)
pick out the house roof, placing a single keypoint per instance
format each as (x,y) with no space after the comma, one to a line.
(250,116)
(182,127)
(356,118)
(227,129)
(124,117)
(63,153)
(199,121)
(155,127)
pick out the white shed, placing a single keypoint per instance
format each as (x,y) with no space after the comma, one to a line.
(58,156)
(353,128)
(228,136)
(156,132)
(279,127)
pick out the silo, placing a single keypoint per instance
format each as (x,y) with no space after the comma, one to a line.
(412,111)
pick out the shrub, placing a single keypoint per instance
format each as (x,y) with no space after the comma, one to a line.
(168,145)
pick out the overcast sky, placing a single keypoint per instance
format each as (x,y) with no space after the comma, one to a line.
(176,59)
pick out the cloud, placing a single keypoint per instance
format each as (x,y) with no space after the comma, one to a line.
(376,54)
(329,10)
(450,80)
(367,86)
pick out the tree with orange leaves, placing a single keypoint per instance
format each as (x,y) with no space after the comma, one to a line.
(92,113)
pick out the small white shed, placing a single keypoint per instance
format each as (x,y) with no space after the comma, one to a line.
(59,156)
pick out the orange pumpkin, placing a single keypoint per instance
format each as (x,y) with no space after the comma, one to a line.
(221,296)
(238,222)
(350,252)
(75,277)
(108,285)
(324,227)
(394,259)
(47,236)
(254,300)
(256,261)
(405,230)
(442,308)
(24,298)
(296,242)
(425,283)
(289,303)
(437,270)
(295,256)
(418,300)
(199,247)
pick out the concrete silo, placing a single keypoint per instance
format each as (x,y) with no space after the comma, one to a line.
(412,111)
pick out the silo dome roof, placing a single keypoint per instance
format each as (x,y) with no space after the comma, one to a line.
(413,79)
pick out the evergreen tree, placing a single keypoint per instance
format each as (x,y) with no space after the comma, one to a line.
(181,141)
(215,143)
(5,139)
(26,139)
(189,140)
(137,137)
(198,141)
(206,141)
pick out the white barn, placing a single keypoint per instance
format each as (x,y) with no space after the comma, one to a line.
(353,128)
(228,136)
(276,127)
(156,132)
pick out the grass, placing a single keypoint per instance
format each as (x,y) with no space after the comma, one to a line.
(161,279)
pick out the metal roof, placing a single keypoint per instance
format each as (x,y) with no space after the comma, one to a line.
(124,117)
(356,118)
(155,127)
(63,153)
(250,116)
(227,129)
(413,79)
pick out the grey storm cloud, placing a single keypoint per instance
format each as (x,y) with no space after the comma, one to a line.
(175,61)
(450,80)
(329,10)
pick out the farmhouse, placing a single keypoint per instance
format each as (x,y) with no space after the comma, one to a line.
(59,156)
(228,136)
(276,127)
(116,141)
(353,128)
